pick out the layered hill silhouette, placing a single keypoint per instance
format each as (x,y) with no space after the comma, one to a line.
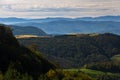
(76,50)
(102,24)
(27,30)
(18,57)
(76,26)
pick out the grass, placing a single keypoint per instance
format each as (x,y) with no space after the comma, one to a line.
(26,36)
(89,71)
(76,70)
(116,58)
(92,72)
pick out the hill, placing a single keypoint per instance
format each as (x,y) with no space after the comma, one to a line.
(76,50)
(27,30)
(20,58)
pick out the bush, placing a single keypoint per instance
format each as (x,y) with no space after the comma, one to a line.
(12,74)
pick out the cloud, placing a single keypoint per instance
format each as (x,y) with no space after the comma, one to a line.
(73,8)
(59,10)
(35,8)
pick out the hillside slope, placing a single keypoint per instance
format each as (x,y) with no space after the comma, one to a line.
(77,50)
(12,54)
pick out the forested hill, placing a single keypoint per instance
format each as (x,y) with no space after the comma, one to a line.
(76,50)
(17,57)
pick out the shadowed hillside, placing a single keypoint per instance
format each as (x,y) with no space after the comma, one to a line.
(15,56)
(75,50)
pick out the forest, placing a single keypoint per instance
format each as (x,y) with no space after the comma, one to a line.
(90,56)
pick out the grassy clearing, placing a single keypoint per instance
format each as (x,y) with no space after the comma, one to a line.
(71,70)
(89,71)
(26,36)
(116,57)
(92,72)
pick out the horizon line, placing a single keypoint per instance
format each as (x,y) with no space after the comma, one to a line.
(63,17)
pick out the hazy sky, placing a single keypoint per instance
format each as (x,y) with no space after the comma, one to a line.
(58,8)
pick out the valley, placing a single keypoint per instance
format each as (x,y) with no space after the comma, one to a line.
(94,55)
(76,50)
(59,39)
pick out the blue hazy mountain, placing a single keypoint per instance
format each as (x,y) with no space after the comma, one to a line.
(101,18)
(100,24)
(78,26)
(27,30)
(12,20)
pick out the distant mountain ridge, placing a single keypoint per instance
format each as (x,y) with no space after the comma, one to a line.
(78,26)
(100,18)
(59,25)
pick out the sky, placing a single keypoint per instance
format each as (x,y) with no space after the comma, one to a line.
(58,8)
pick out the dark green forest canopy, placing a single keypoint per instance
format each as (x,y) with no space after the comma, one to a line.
(76,50)
(94,51)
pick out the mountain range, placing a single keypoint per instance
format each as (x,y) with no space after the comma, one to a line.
(100,24)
